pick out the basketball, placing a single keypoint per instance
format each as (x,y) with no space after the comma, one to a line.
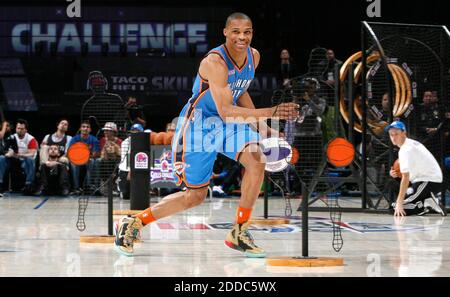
(78,153)
(278,154)
(153,137)
(159,138)
(340,152)
(168,138)
(396,167)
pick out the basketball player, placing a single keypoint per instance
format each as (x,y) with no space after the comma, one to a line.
(220,91)
(418,166)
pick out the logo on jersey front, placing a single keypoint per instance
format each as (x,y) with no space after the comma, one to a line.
(240,86)
(232,72)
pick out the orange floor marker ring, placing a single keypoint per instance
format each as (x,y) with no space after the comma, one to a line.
(305,262)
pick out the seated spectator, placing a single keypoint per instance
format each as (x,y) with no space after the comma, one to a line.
(6,139)
(124,166)
(59,138)
(110,143)
(6,142)
(5,132)
(91,166)
(54,174)
(110,151)
(24,156)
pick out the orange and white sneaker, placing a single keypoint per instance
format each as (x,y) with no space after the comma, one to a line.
(240,239)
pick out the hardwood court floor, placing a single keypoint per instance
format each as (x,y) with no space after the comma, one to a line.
(39,238)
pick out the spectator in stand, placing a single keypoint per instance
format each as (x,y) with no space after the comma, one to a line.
(59,138)
(286,70)
(24,156)
(332,62)
(110,138)
(91,167)
(430,118)
(54,173)
(6,142)
(135,113)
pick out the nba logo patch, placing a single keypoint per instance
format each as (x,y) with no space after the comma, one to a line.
(231,72)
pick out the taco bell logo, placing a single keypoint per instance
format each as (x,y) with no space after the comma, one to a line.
(165,166)
(141,161)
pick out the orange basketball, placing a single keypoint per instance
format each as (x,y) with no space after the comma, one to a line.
(168,138)
(340,152)
(295,156)
(396,167)
(78,153)
(152,137)
(159,138)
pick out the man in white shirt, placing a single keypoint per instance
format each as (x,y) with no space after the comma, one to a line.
(418,166)
(25,156)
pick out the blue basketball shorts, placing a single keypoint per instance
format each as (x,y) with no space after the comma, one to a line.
(197,141)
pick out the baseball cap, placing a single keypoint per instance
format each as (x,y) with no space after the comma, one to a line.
(137,127)
(395,125)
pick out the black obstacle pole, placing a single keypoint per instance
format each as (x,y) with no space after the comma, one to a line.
(110,205)
(364,119)
(337,94)
(305,243)
(139,171)
(351,113)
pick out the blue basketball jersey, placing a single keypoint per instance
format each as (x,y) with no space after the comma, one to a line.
(239,80)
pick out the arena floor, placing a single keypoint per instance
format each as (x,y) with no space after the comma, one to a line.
(39,238)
